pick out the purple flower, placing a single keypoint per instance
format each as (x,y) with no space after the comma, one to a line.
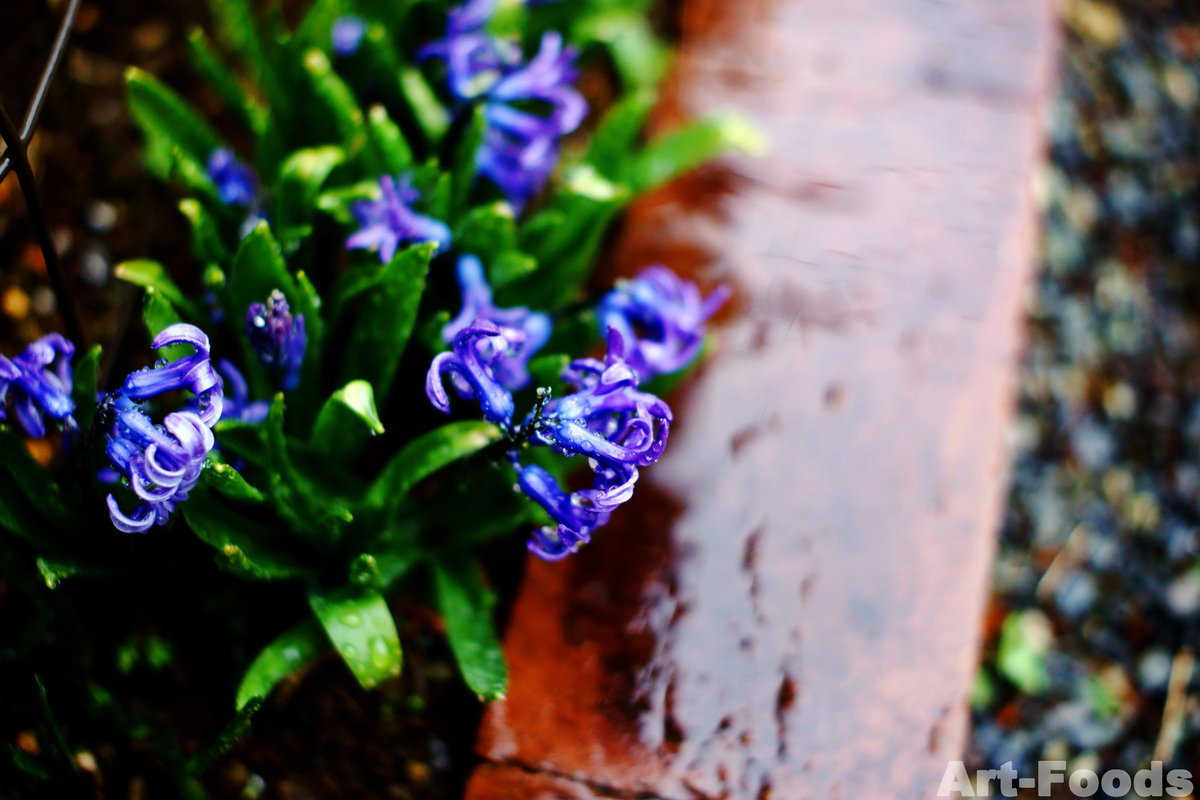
(235,181)
(347,33)
(40,382)
(470,367)
(163,462)
(277,337)
(607,419)
(524,331)
(236,404)
(615,426)
(389,221)
(520,148)
(661,316)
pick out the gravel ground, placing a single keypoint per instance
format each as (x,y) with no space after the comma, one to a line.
(1095,610)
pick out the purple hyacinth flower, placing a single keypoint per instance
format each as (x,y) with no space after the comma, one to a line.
(475,60)
(236,404)
(470,367)
(347,34)
(607,419)
(520,148)
(277,337)
(163,462)
(235,181)
(524,331)
(39,380)
(389,221)
(662,318)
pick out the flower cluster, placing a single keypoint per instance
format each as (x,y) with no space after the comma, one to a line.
(234,180)
(277,337)
(662,316)
(40,384)
(389,221)
(524,331)
(163,462)
(520,148)
(476,349)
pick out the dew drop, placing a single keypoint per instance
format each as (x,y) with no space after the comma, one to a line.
(348,651)
(353,620)
(379,652)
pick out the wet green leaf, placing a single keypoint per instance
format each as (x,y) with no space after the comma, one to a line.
(207,245)
(346,420)
(337,99)
(148,273)
(394,153)
(295,648)
(359,624)
(386,320)
(430,113)
(466,603)
(85,378)
(224,479)
(300,180)
(168,122)
(243,544)
(158,313)
(692,145)
(427,454)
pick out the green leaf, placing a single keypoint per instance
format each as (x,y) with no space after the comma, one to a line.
(297,501)
(86,377)
(243,439)
(346,420)
(158,314)
(207,245)
(564,240)
(300,179)
(362,630)
(511,266)
(296,648)
(464,162)
(243,545)
(612,146)
(691,146)
(339,202)
(237,728)
(226,480)
(168,122)
(151,274)
(386,320)
(337,99)
(315,29)
(466,603)
(427,454)
(640,58)
(237,30)
(487,231)
(430,113)
(394,152)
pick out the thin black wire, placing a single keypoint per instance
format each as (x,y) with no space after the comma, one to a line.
(17,158)
(66,306)
(48,73)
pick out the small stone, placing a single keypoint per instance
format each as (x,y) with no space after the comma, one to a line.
(41,450)
(15,303)
(1120,401)
(418,772)
(93,264)
(101,216)
(86,761)
(1093,445)
(27,741)
(1075,594)
(1183,594)
(1181,86)
(43,301)
(1154,670)
(1100,22)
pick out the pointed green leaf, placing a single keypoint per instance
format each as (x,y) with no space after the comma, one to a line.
(243,439)
(31,479)
(339,202)
(487,231)
(301,177)
(346,420)
(168,121)
(691,146)
(207,245)
(612,146)
(307,511)
(386,320)
(295,648)
(430,113)
(337,99)
(361,627)
(640,57)
(157,314)
(243,544)
(464,162)
(427,454)
(466,603)
(146,273)
(226,480)
(237,30)
(395,154)
(85,379)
